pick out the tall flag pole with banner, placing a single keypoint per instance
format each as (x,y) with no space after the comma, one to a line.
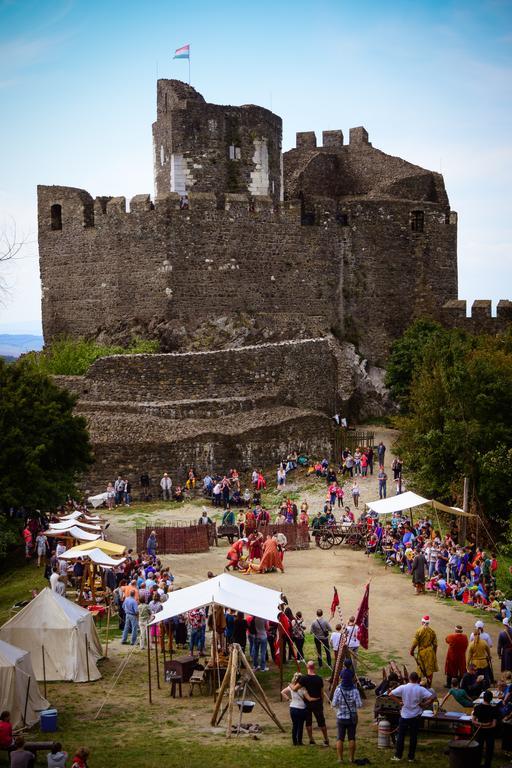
(363,618)
(183,53)
(335,602)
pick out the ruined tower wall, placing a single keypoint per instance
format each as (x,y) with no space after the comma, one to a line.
(203,147)
(393,274)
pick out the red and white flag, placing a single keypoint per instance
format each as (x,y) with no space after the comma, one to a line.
(363,618)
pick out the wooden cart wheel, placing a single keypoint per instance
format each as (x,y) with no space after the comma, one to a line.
(326,540)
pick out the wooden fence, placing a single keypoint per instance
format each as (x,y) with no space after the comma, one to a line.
(297,536)
(178,539)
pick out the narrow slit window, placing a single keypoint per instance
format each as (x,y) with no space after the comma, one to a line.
(56,216)
(417,221)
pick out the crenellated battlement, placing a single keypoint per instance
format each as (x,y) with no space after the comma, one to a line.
(480,319)
(61,208)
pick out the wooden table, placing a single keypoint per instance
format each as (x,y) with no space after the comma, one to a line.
(444,722)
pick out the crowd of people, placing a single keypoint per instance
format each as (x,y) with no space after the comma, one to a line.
(435,561)
(22,756)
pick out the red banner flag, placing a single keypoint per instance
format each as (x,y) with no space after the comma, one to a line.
(277,646)
(363,618)
(335,602)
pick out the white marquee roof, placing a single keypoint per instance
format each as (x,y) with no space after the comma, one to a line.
(408,500)
(228,591)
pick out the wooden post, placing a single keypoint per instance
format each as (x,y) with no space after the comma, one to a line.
(465,508)
(215,650)
(156,662)
(108,627)
(232,685)
(26,703)
(148,639)
(259,689)
(222,690)
(44,670)
(87,658)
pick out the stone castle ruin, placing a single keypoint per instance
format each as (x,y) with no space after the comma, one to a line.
(275,284)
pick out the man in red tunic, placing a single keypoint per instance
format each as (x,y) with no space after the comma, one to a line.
(455,664)
(235,552)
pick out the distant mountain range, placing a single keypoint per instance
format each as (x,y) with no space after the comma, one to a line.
(14,345)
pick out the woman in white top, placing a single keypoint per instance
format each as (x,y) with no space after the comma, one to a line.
(297,708)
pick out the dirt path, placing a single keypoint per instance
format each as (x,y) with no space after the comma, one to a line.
(395,610)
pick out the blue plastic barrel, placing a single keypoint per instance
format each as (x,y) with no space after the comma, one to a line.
(48,720)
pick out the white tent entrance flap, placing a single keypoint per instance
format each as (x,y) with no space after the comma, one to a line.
(225,590)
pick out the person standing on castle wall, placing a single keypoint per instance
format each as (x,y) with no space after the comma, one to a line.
(166,486)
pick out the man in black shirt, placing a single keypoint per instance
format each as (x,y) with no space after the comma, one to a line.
(314,687)
(484,718)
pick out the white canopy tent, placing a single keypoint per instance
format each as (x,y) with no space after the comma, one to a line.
(77,515)
(65,525)
(225,590)
(67,632)
(96,555)
(19,692)
(409,500)
(73,532)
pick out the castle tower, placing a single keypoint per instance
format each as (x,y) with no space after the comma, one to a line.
(203,147)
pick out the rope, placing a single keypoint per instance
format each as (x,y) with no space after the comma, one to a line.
(116,677)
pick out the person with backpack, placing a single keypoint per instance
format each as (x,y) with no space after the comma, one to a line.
(346,701)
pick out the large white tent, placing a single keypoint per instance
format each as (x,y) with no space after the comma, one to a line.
(409,500)
(19,692)
(67,632)
(228,591)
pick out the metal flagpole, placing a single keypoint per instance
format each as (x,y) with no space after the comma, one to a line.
(189,65)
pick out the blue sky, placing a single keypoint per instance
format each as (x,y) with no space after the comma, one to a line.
(431,82)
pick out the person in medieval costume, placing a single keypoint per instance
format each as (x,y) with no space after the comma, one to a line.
(271,557)
(418,571)
(235,553)
(455,664)
(255,546)
(505,647)
(424,650)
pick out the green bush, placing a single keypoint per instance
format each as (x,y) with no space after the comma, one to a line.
(73,357)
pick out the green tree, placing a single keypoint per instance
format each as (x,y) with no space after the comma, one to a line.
(406,358)
(460,421)
(43,446)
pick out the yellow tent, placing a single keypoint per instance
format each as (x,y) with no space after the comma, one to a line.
(106,546)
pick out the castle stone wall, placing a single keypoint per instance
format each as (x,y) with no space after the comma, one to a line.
(171,263)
